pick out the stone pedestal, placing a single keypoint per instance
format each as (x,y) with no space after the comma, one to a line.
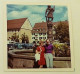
(50,31)
(49,20)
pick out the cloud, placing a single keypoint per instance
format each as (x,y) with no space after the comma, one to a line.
(18,14)
(37,9)
(58,9)
(65,16)
(35,13)
(15,7)
(34,18)
(32,8)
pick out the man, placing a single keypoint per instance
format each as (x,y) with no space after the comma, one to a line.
(49,54)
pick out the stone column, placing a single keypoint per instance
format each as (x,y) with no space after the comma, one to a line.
(49,20)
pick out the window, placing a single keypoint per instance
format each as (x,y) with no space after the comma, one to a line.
(40,37)
(44,37)
(36,35)
(34,42)
(33,37)
(44,33)
(33,33)
(38,29)
(40,33)
(36,39)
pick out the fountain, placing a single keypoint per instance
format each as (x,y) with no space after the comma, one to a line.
(21,59)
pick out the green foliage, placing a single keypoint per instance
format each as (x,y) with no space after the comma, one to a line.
(15,37)
(61,49)
(62,32)
(24,38)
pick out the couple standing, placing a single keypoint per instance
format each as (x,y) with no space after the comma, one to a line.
(46,54)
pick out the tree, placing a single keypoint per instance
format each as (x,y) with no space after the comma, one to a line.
(62,32)
(15,37)
(24,38)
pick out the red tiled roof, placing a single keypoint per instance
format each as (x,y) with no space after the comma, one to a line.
(40,25)
(15,23)
(43,26)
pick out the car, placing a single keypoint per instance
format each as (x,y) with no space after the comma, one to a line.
(10,46)
(24,45)
(27,45)
(20,46)
(30,45)
(16,45)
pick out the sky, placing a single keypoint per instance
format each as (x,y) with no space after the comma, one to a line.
(35,13)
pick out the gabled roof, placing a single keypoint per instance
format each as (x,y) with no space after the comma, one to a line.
(15,23)
(43,26)
(40,25)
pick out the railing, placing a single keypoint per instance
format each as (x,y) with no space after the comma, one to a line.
(23,59)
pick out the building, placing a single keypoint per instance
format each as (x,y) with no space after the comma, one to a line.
(39,31)
(19,26)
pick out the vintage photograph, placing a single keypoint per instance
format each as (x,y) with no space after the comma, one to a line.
(38,36)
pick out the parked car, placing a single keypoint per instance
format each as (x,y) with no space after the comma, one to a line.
(10,45)
(18,45)
(24,45)
(27,45)
(30,45)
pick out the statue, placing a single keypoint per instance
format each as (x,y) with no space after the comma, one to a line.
(49,20)
(49,13)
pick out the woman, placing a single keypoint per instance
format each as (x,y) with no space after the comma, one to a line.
(40,49)
(49,54)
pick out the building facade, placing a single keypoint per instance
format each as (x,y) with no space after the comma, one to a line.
(19,26)
(39,31)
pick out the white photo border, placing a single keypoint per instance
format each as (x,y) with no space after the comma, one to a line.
(38,70)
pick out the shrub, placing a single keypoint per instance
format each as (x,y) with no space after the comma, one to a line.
(61,49)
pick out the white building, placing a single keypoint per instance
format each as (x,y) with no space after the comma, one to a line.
(19,26)
(39,31)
